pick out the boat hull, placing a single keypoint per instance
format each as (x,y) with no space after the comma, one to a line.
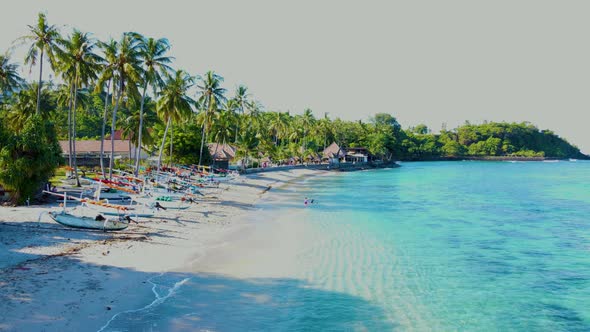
(87,223)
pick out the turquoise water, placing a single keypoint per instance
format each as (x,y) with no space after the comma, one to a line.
(444,246)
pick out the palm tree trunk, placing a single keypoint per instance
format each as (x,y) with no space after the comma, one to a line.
(138,148)
(40,83)
(70,129)
(162,145)
(171,141)
(238,124)
(202,141)
(74,131)
(113,124)
(104,124)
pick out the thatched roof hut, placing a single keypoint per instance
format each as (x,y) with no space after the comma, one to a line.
(221,151)
(333,152)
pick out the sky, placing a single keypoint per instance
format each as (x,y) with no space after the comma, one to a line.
(428,61)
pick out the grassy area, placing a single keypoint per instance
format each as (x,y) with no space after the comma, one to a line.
(60,174)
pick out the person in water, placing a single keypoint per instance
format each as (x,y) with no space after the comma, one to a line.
(305,201)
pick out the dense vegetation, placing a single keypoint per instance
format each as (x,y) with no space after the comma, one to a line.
(129,84)
(487,140)
(28,157)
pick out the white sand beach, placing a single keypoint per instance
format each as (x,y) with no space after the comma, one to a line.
(54,278)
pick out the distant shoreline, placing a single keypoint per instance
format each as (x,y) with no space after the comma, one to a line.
(491,158)
(342,167)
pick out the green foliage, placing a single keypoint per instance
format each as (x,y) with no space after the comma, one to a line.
(513,139)
(186,142)
(489,147)
(28,157)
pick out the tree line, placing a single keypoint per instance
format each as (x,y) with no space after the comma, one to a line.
(129,84)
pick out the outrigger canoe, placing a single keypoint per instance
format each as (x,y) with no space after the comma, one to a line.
(110,224)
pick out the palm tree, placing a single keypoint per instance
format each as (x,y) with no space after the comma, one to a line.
(324,128)
(10,80)
(307,121)
(152,54)
(210,98)
(174,102)
(150,118)
(224,120)
(242,100)
(278,125)
(45,39)
(25,106)
(127,69)
(247,143)
(78,65)
(110,50)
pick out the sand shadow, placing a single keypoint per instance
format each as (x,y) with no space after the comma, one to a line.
(221,303)
(196,302)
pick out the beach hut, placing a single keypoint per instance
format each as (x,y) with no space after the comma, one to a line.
(357,155)
(88,151)
(333,154)
(222,154)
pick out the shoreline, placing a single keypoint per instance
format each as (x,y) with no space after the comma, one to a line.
(490,158)
(54,278)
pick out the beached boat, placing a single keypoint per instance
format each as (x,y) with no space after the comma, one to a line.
(106,224)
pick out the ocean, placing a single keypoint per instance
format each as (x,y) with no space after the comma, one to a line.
(429,246)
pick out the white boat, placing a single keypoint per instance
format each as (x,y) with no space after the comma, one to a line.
(105,224)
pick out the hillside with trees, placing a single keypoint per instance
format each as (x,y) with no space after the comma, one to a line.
(490,139)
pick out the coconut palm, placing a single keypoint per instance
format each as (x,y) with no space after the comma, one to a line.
(25,104)
(155,62)
(246,145)
(307,121)
(44,38)
(78,65)
(10,80)
(278,125)
(126,67)
(210,98)
(324,128)
(131,123)
(242,100)
(110,50)
(254,117)
(174,102)
(224,123)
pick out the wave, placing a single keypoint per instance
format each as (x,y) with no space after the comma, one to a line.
(158,300)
